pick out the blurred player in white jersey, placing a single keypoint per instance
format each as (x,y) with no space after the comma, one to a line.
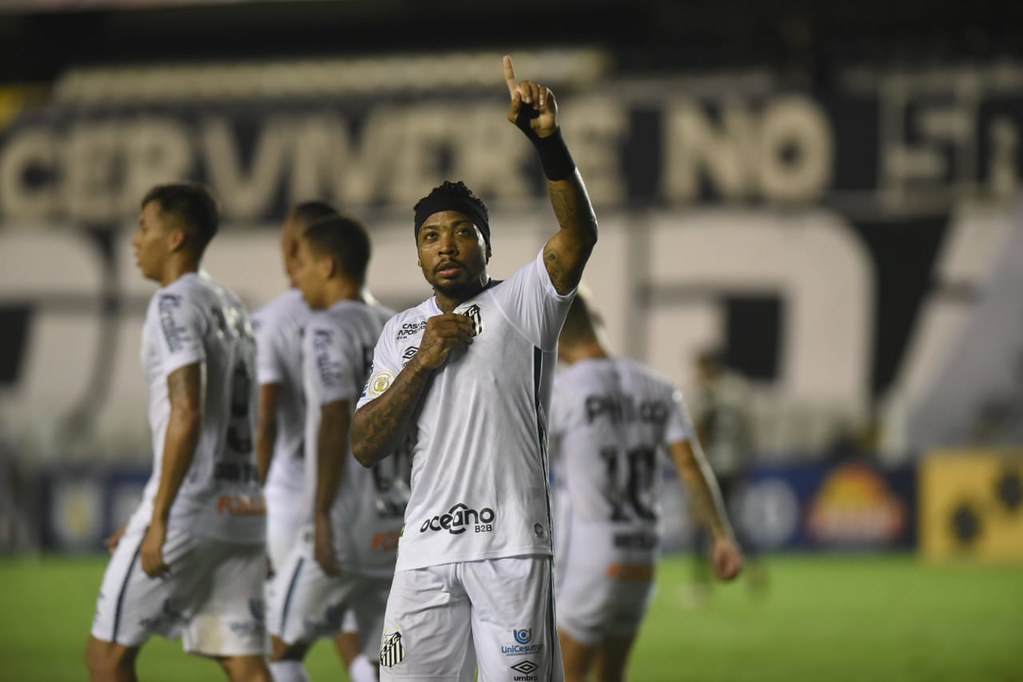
(611,421)
(281,424)
(345,560)
(465,379)
(191,560)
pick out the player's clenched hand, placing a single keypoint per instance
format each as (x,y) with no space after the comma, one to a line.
(151,551)
(323,548)
(114,540)
(533,102)
(727,559)
(443,334)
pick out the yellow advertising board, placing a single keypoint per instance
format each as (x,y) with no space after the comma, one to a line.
(971,504)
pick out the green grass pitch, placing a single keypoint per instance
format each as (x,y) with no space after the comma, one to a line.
(822,619)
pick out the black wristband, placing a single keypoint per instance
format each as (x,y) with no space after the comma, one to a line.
(554,155)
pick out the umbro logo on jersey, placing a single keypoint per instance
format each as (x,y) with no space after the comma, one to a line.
(525,670)
(460,518)
(409,353)
(392,651)
(473,313)
(410,329)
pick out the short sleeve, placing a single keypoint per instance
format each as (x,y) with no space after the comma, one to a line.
(182,327)
(679,426)
(529,298)
(335,364)
(383,370)
(269,366)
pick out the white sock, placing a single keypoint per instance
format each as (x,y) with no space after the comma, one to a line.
(361,670)
(288,671)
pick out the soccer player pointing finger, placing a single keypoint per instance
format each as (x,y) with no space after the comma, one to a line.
(464,379)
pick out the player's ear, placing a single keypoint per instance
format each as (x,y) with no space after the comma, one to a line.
(177,239)
(329,266)
(488,253)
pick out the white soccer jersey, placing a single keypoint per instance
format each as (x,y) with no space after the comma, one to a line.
(367,512)
(610,420)
(279,327)
(196,320)
(479,445)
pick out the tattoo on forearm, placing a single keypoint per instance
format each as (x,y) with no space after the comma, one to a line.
(386,420)
(183,385)
(577,221)
(566,200)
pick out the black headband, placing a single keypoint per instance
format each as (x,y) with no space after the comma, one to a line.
(453,197)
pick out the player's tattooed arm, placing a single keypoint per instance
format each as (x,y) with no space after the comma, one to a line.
(380,427)
(703,488)
(184,391)
(534,110)
(266,428)
(567,252)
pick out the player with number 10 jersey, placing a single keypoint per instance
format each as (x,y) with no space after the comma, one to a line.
(612,420)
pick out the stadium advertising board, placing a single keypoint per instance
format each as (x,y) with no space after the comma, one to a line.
(971,505)
(829,507)
(848,507)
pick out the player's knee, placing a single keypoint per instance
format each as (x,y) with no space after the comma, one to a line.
(107,661)
(282,651)
(93,659)
(246,669)
(612,671)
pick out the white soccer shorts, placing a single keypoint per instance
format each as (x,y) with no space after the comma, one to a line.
(284,530)
(601,591)
(307,604)
(212,595)
(499,612)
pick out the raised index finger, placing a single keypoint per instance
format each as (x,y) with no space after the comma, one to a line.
(509,76)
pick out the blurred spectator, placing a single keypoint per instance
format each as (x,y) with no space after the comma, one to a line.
(17,497)
(724,425)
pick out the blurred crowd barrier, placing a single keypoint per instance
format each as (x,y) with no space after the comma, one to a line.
(951,505)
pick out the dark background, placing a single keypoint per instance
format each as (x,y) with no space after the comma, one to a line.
(800,36)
